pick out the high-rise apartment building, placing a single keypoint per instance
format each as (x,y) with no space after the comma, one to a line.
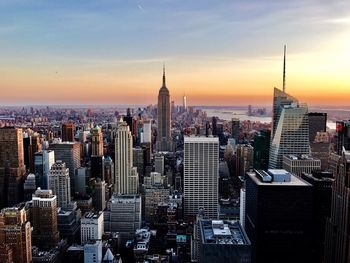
(164,142)
(59,183)
(15,235)
(337,243)
(96,141)
(43,161)
(291,130)
(45,232)
(12,168)
(126,177)
(68,132)
(201,176)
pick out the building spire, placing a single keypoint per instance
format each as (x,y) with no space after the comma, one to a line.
(164,75)
(284,69)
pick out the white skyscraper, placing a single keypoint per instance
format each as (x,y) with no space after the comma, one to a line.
(201,176)
(126,177)
(59,183)
(147,132)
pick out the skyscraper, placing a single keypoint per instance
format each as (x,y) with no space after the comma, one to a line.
(69,153)
(45,232)
(126,177)
(337,243)
(15,233)
(43,161)
(12,168)
(59,183)
(68,132)
(235,129)
(201,175)
(290,130)
(184,103)
(262,141)
(317,123)
(96,141)
(342,136)
(278,216)
(164,118)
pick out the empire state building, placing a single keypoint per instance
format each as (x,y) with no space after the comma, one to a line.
(164,118)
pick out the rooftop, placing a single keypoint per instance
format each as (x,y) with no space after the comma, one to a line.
(223,232)
(201,139)
(293,157)
(258,176)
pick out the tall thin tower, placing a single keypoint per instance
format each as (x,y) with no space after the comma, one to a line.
(284,69)
(164,117)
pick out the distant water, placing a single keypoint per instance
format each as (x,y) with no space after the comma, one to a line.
(241,114)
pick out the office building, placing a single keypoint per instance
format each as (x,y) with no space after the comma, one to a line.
(97,166)
(126,177)
(123,215)
(342,136)
(92,227)
(321,147)
(337,244)
(261,146)
(12,168)
(43,161)
(146,132)
(31,145)
(244,159)
(317,123)
(93,252)
(298,164)
(139,160)
(99,195)
(69,153)
(291,135)
(242,202)
(29,187)
(235,129)
(278,215)
(68,223)
(96,141)
(59,183)
(223,241)
(321,182)
(201,175)
(68,132)
(45,233)
(164,142)
(109,170)
(15,235)
(154,195)
(159,164)
(81,178)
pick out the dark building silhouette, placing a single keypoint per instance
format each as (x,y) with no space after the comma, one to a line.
(214,126)
(235,129)
(12,168)
(342,136)
(317,123)
(321,182)
(337,244)
(278,218)
(68,132)
(261,149)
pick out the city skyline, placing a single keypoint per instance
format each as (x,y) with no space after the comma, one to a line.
(227,53)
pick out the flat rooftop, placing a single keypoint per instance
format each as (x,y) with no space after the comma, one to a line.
(302,157)
(222,232)
(201,139)
(294,180)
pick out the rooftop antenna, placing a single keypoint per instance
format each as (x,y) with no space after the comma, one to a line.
(164,75)
(284,69)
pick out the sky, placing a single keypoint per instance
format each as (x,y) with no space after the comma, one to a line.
(227,52)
